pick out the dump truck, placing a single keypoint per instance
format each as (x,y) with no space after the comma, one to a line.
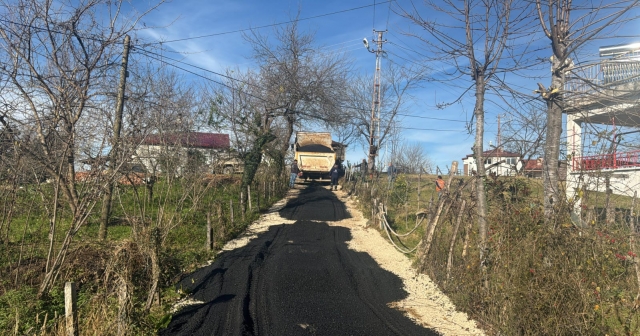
(316,154)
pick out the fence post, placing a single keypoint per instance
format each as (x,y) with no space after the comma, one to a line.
(242,204)
(220,220)
(231,211)
(70,308)
(374,216)
(209,233)
(258,197)
(249,197)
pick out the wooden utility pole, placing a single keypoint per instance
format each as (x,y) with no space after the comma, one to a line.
(115,142)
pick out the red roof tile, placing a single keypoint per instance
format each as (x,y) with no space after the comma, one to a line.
(533,165)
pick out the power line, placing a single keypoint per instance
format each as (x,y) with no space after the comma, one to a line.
(432,118)
(48,30)
(193,66)
(270,25)
(156,57)
(204,77)
(429,129)
(407,49)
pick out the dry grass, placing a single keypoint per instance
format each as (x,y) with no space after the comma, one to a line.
(542,279)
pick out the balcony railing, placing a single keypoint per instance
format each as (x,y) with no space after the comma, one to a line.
(607,161)
(615,71)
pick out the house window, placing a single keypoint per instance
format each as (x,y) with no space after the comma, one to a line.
(511,161)
(487,161)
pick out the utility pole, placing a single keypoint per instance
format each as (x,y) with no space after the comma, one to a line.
(115,142)
(499,139)
(375,106)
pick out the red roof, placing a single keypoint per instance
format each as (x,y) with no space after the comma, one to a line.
(189,139)
(495,153)
(533,165)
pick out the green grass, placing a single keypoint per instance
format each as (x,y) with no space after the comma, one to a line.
(178,208)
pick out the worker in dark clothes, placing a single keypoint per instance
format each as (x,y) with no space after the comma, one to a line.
(294,173)
(335,174)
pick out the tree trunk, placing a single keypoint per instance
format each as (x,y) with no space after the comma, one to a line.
(632,244)
(554,131)
(453,238)
(113,155)
(480,178)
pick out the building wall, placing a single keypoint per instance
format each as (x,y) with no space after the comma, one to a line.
(149,155)
(622,181)
(503,169)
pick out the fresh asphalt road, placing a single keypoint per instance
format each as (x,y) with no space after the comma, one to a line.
(296,279)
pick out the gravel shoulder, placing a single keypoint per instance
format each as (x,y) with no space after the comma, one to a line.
(425,304)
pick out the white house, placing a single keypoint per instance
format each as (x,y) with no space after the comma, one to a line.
(174,151)
(496,161)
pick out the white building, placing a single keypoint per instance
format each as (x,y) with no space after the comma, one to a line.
(496,161)
(175,151)
(600,120)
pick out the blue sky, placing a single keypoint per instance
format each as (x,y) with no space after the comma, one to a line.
(178,22)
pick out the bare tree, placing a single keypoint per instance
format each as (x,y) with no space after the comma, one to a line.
(476,41)
(567,35)
(299,83)
(395,91)
(294,85)
(413,157)
(524,133)
(56,54)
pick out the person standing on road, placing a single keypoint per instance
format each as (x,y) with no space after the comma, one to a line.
(294,173)
(335,174)
(439,185)
(391,174)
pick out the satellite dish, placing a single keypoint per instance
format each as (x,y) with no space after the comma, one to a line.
(366,43)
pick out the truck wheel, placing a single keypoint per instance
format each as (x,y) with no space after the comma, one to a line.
(228,170)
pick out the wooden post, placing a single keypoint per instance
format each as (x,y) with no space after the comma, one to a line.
(453,239)
(231,211)
(220,221)
(258,197)
(249,197)
(428,234)
(209,233)
(242,204)
(632,245)
(115,142)
(71,309)
(609,213)
(374,212)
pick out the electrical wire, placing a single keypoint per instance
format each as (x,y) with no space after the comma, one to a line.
(256,86)
(269,25)
(204,77)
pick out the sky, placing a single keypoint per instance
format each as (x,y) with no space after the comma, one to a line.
(208,35)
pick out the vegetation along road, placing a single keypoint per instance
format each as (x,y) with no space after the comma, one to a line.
(296,278)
